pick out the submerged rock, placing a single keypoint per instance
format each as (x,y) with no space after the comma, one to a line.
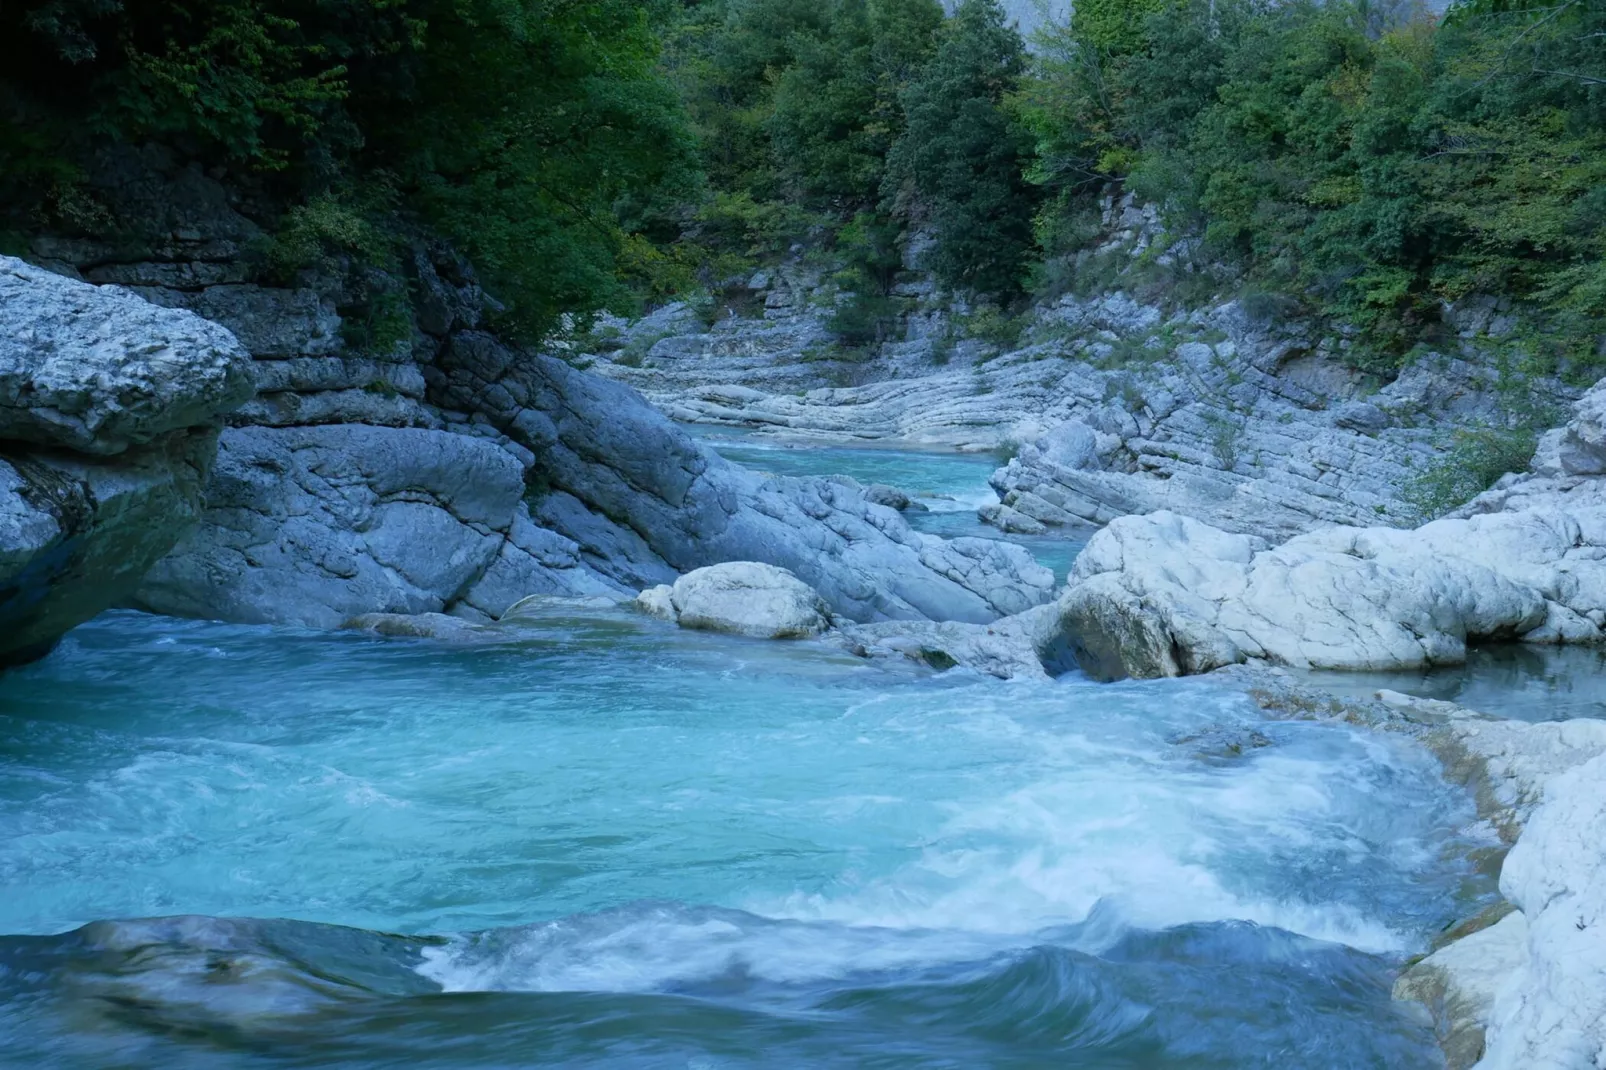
(748,598)
(108,410)
(438,626)
(892,498)
(1004,649)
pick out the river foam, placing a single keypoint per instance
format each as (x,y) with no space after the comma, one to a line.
(913,866)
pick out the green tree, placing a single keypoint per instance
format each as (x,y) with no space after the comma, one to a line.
(959,165)
(510,126)
(836,108)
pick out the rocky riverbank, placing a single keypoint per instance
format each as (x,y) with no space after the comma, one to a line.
(1226,412)
(192,443)
(446,472)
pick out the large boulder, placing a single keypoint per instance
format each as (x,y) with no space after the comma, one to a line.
(108,409)
(1163,595)
(98,370)
(746,598)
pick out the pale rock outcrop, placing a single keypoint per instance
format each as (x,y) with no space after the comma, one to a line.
(1551,1012)
(327,503)
(1117,407)
(657,602)
(1459,983)
(1528,992)
(108,415)
(745,598)
(1164,595)
(645,501)
(1566,471)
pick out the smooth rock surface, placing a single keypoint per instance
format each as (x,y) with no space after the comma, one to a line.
(645,501)
(748,598)
(1164,595)
(1551,1013)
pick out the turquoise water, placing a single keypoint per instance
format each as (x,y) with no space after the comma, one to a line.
(612,843)
(952,486)
(1516,680)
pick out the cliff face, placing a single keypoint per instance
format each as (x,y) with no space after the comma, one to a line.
(1116,401)
(108,417)
(452,472)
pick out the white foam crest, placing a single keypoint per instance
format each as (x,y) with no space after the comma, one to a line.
(1147,840)
(960,501)
(646,949)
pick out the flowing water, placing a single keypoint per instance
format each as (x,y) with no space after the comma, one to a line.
(610,843)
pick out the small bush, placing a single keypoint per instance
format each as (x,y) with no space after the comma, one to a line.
(1476,458)
(1126,390)
(996,327)
(1224,436)
(634,354)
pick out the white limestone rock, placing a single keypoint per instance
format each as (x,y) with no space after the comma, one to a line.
(645,501)
(1005,649)
(1551,1013)
(1460,981)
(656,602)
(749,598)
(317,525)
(1163,595)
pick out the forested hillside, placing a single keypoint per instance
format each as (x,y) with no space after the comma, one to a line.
(1340,160)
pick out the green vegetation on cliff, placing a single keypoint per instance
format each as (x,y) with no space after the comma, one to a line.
(1351,160)
(520,129)
(1373,168)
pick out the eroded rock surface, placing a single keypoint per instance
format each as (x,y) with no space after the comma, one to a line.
(645,501)
(97,370)
(443,470)
(108,414)
(315,525)
(1530,990)
(1116,407)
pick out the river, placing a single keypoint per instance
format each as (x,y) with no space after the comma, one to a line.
(610,843)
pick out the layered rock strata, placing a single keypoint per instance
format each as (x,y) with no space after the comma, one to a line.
(439,469)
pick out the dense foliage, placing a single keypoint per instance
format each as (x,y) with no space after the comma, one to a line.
(1376,167)
(514,127)
(1353,157)
(961,159)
